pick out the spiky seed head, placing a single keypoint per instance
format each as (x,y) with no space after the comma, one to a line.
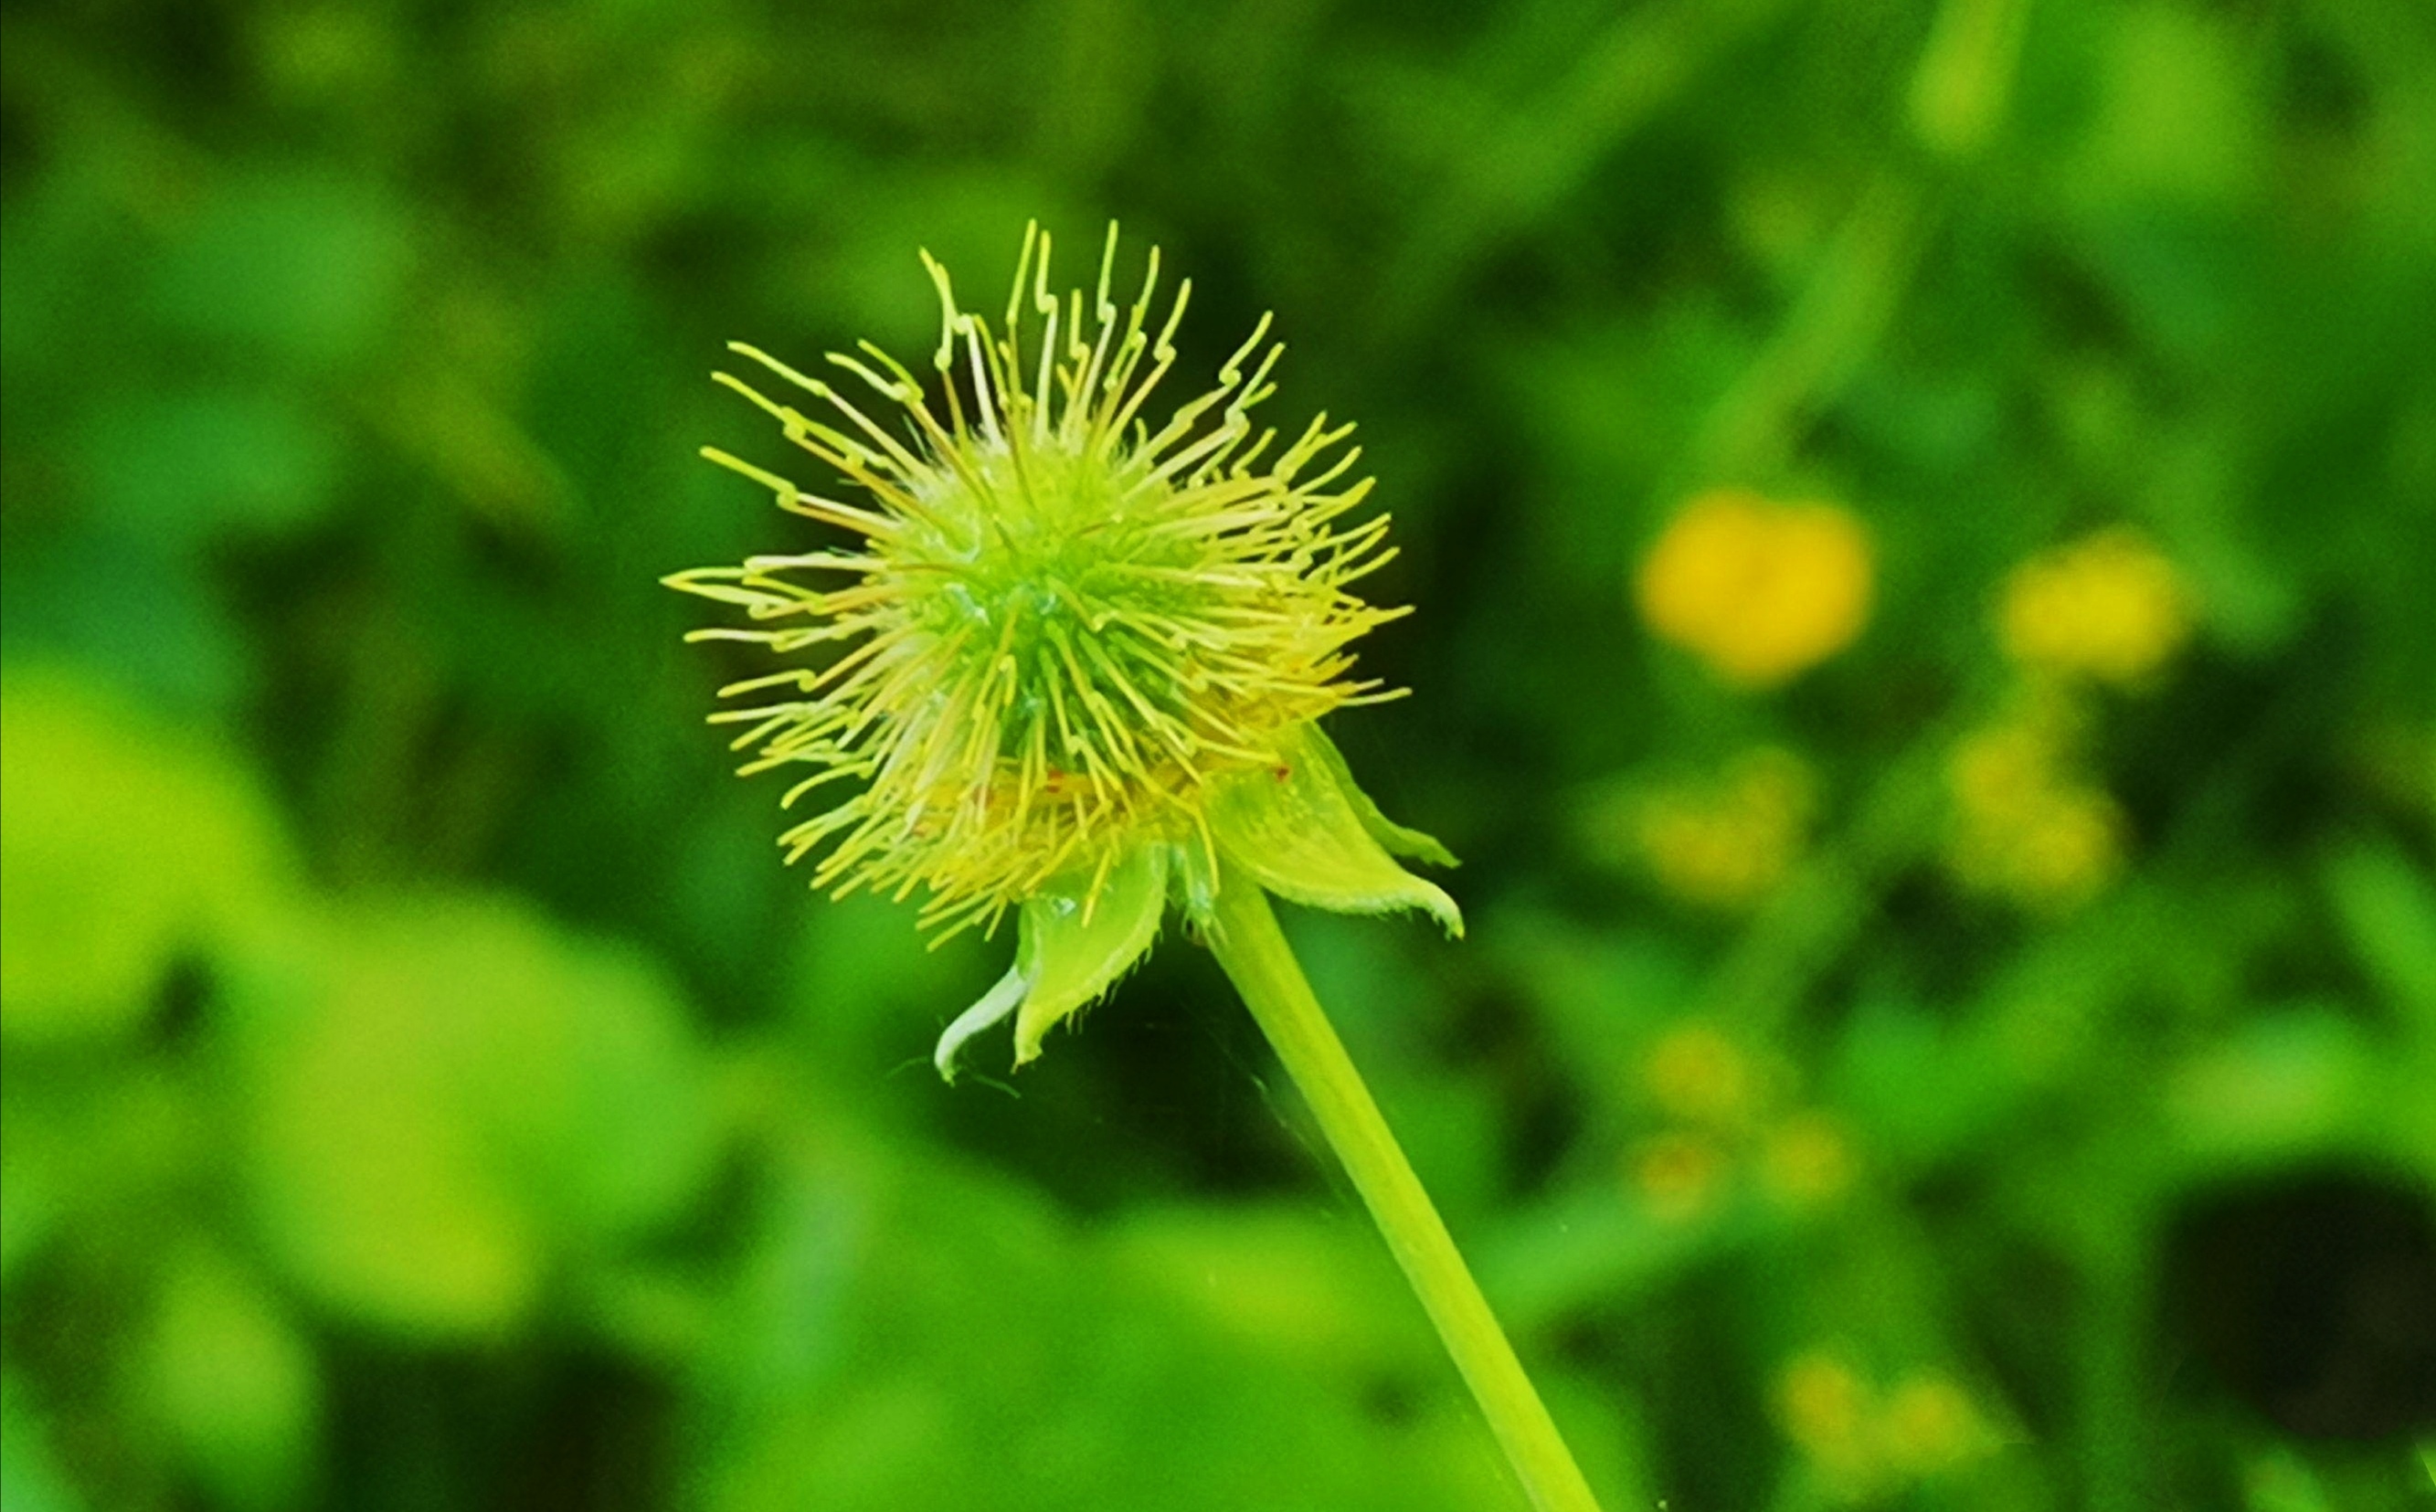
(1054,627)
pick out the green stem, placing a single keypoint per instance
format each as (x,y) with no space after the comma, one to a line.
(1244,936)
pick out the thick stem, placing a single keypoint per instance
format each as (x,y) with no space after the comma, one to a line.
(1244,936)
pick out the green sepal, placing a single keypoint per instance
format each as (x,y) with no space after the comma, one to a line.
(1298,827)
(991,1010)
(1078,939)
(1397,839)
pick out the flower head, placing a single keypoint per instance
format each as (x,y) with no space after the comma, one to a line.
(1865,1442)
(1824,1406)
(2026,824)
(1760,591)
(1677,1174)
(1807,1159)
(1931,1424)
(1063,655)
(2109,606)
(1699,1074)
(1725,842)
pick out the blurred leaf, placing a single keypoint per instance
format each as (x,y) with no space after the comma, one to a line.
(62,247)
(2177,112)
(303,264)
(872,993)
(2284,1087)
(448,1096)
(134,608)
(237,1386)
(33,1481)
(1600,994)
(181,466)
(1922,1096)
(1590,1247)
(101,1154)
(995,1358)
(375,1200)
(28,1202)
(872,283)
(2282,1482)
(785,1308)
(126,846)
(1316,1291)
(2388,909)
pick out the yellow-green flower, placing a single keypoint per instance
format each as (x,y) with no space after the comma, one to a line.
(1865,1443)
(1761,591)
(1061,655)
(1677,1174)
(1807,1159)
(1699,1074)
(1930,1424)
(2109,606)
(1825,1407)
(2026,824)
(1727,841)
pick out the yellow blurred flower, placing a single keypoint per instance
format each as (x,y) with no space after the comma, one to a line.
(2001,768)
(1931,1425)
(1677,1174)
(2109,606)
(1861,1440)
(1825,1407)
(2025,826)
(1808,1160)
(1728,843)
(1696,1074)
(1759,590)
(2070,848)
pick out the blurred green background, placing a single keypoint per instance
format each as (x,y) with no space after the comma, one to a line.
(1950,1018)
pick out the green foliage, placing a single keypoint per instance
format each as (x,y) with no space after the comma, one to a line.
(445,1100)
(233,1383)
(425,1089)
(126,848)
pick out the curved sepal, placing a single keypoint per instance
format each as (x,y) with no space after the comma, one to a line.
(1078,939)
(993,1008)
(1299,828)
(1397,839)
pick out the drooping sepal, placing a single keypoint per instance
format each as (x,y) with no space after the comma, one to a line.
(1397,839)
(1303,830)
(990,1011)
(1080,934)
